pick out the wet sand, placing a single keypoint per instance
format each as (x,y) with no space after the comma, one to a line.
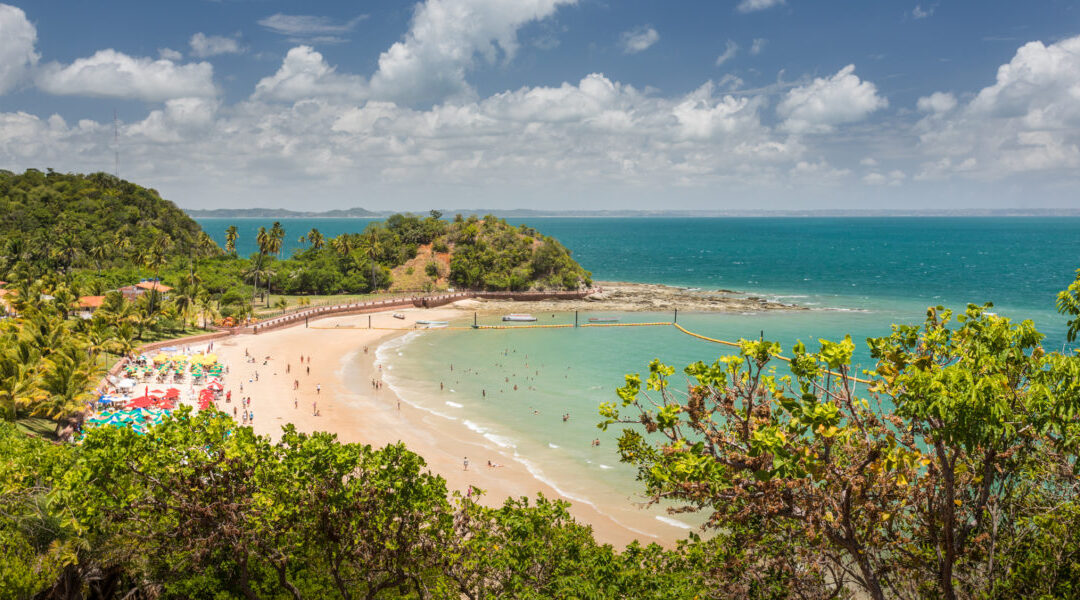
(351,408)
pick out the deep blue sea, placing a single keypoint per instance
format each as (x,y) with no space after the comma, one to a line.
(858,275)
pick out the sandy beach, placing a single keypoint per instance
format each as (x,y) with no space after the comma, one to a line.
(335,378)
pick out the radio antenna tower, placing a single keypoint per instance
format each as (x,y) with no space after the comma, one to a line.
(116,144)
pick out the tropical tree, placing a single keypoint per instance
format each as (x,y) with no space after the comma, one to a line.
(315,238)
(65,384)
(231,235)
(276,239)
(17,377)
(262,240)
(372,249)
(909,503)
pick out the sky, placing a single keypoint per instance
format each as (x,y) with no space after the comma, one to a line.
(552,104)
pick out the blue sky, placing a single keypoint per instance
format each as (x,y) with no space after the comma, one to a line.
(771,104)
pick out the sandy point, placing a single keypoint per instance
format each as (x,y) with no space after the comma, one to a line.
(298,375)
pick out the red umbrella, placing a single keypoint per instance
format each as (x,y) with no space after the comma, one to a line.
(141,402)
(172,393)
(215,386)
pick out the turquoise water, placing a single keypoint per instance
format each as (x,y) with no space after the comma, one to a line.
(858,275)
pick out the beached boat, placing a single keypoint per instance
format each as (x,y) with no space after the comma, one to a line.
(399,316)
(603,320)
(519,317)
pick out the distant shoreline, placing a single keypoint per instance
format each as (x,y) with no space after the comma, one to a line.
(357,213)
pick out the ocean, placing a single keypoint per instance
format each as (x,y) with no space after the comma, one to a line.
(857,275)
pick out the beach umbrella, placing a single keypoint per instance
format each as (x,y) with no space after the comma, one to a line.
(141,402)
(215,385)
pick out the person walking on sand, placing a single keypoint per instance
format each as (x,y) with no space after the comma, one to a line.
(314,409)
(309,370)
(466,463)
(318,388)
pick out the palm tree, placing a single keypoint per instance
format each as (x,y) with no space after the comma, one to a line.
(66,384)
(157,256)
(206,245)
(17,381)
(316,239)
(205,303)
(372,249)
(342,244)
(277,237)
(123,341)
(183,298)
(98,252)
(98,338)
(262,239)
(231,235)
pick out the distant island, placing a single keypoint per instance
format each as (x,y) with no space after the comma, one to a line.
(523,213)
(280,213)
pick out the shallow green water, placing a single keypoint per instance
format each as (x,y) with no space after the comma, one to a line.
(858,275)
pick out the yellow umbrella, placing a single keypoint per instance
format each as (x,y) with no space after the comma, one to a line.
(161,357)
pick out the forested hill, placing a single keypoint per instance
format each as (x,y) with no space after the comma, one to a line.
(62,221)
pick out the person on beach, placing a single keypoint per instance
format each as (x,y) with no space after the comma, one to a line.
(295,403)
(309,370)
(314,409)
(318,388)
(288,367)
(466,463)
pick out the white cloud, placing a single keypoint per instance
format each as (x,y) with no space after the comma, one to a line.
(310,28)
(826,102)
(729,53)
(112,74)
(1028,120)
(746,6)
(304,73)
(638,39)
(892,178)
(17,39)
(921,13)
(869,161)
(938,102)
(203,46)
(443,40)
(170,54)
(758,45)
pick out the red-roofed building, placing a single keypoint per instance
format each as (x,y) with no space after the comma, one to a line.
(153,285)
(88,304)
(132,292)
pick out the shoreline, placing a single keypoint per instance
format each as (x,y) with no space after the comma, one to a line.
(351,408)
(621,296)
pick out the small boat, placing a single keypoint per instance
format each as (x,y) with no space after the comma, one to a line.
(519,317)
(433,324)
(399,316)
(603,320)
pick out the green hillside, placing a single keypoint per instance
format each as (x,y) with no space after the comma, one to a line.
(59,221)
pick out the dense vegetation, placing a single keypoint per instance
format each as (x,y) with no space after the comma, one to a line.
(59,222)
(77,235)
(956,476)
(203,508)
(486,254)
